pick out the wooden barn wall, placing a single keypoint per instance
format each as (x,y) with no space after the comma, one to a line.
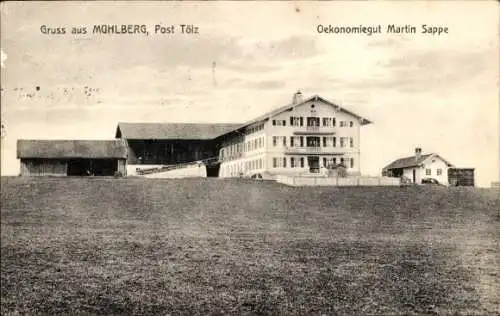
(169,151)
(43,167)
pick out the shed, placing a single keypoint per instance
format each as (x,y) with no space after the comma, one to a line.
(419,167)
(72,157)
(461,176)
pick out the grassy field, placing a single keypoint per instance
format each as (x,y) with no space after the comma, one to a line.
(213,246)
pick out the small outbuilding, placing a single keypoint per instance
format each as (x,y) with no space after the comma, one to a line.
(419,167)
(72,157)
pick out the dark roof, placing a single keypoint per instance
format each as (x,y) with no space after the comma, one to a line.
(407,162)
(411,161)
(284,108)
(187,131)
(116,148)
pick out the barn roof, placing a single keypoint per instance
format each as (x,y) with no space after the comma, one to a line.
(71,149)
(194,131)
(186,131)
(411,161)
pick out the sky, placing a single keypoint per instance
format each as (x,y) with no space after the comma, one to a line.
(437,92)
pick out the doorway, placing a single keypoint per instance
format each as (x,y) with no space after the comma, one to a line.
(313,164)
(414,176)
(92,167)
(213,170)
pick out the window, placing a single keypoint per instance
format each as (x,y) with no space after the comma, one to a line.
(351,141)
(327,121)
(275,162)
(324,161)
(351,124)
(334,161)
(343,123)
(313,121)
(342,142)
(284,162)
(352,162)
(301,121)
(275,140)
(427,172)
(335,142)
(284,123)
(324,141)
(301,141)
(439,171)
(295,121)
(342,161)
(292,162)
(333,122)
(302,162)
(284,140)
(274,122)
(329,141)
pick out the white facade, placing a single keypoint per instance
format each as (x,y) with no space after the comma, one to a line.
(298,139)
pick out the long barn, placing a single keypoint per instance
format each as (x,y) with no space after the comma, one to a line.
(157,144)
(72,157)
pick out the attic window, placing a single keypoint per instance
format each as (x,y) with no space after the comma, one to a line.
(312,106)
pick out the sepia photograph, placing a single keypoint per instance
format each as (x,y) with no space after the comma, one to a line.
(250,158)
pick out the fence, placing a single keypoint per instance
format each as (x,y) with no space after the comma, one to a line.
(337,181)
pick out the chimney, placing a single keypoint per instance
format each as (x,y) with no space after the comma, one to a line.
(418,153)
(297,97)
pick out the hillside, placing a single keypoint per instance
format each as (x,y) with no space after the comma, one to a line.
(213,246)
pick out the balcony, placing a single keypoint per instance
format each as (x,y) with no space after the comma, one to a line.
(314,130)
(313,151)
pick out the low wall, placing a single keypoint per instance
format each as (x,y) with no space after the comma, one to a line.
(132,169)
(340,182)
(189,171)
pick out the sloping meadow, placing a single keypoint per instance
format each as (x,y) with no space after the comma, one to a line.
(214,246)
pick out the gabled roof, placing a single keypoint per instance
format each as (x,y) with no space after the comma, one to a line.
(287,107)
(115,148)
(185,131)
(411,161)
(189,131)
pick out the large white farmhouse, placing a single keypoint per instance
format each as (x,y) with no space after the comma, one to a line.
(298,138)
